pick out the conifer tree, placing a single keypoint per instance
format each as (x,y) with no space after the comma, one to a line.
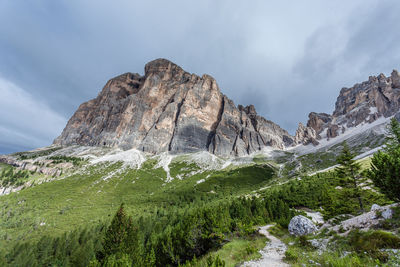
(385,164)
(118,238)
(349,171)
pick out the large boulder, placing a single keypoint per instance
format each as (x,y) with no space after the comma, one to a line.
(300,225)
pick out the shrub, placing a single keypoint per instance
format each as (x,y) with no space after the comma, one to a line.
(291,255)
(250,249)
(371,242)
(303,241)
(368,241)
(215,262)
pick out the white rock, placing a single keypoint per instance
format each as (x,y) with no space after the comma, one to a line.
(387,213)
(366,220)
(375,207)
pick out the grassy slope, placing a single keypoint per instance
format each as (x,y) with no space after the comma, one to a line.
(238,250)
(85,198)
(81,199)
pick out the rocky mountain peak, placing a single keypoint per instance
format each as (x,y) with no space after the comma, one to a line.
(122,85)
(395,76)
(168,109)
(365,102)
(162,67)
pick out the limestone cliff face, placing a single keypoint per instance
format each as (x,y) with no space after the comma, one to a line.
(169,109)
(363,103)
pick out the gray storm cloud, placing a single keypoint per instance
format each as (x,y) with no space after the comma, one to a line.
(288,58)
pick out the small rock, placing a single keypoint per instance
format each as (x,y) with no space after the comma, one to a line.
(387,213)
(320,244)
(375,207)
(300,225)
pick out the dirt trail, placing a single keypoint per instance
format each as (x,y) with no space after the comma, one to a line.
(272,254)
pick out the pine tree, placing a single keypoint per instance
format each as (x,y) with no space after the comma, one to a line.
(393,139)
(349,171)
(385,164)
(118,238)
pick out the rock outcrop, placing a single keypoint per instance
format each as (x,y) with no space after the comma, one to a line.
(305,135)
(363,103)
(366,220)
(169,109)
(39,166)
(300,225)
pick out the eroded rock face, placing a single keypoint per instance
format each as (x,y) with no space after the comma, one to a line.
(318,121)
(363,103)
(169,109)
(332,131)
(300,225)
(305,135)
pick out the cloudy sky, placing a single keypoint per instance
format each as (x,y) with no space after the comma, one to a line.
(288,58)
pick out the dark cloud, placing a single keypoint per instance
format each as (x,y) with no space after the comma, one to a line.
(287,58)
(337,56)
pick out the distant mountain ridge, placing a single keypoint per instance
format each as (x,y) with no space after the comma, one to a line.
(364,103)
(169,109)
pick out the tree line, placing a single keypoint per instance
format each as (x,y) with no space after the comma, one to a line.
(168,238)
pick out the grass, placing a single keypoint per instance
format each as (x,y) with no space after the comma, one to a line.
(328,259)
(373,241)
(237,180)
(237,251)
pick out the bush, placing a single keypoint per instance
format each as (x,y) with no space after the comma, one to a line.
(118,260)
(291,255)
(250,249)
(371,242)
(215,262)
(303,242)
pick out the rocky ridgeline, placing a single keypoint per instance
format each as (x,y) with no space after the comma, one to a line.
(363,103)
(169,109)
(35,165)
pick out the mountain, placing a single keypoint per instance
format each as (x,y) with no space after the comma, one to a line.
(169,109)
(175,151)
(363,104)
